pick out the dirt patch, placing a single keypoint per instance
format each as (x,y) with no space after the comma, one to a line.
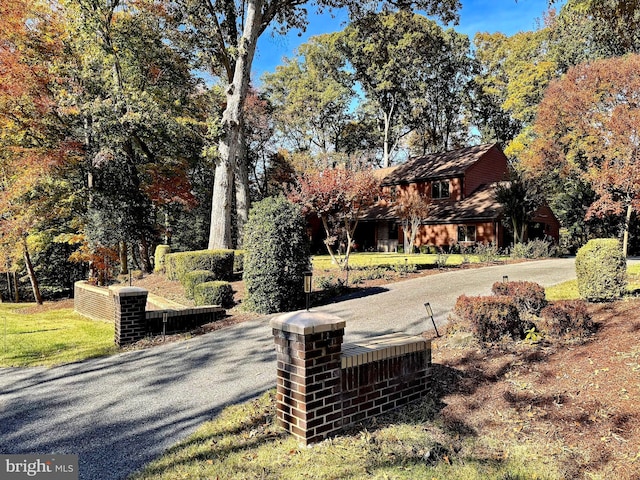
(577,402)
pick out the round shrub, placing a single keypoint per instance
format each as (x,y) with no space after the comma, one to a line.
(213,293)
(490,318)
(567,317)
(601,269)
(159,257)
(220,262)
(529,297)
(196,277)
(276,256)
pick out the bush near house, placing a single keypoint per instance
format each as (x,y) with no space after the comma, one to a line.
(529,297)
(219,262)
(601,270)
(159,257)
(213,293)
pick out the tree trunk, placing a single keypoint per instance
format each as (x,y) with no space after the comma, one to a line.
(242,191)
(15,287)
(124,258)
(31,272)
(220,230)
(387,132)
(625,235)
(144,255)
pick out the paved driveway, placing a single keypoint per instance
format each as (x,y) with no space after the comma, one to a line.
(120,412)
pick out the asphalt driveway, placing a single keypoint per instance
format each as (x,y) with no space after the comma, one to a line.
(119,413)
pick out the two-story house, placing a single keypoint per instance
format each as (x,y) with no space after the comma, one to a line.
(460,185)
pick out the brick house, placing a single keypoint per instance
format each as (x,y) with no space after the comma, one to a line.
(460,185)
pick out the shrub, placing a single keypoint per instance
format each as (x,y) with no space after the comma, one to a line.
(159,258)
(277,255)
(238,261)
(601,270)
(213,293)
(219,262)
(487,252)
(529,297)
(369,273)
(533,249)
(196,277)
(490,318)
(567,317)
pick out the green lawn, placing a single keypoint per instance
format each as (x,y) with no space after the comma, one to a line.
(244,442)
(363,260)
(569,290)
(51,337)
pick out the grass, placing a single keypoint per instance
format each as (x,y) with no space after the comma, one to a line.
(364,260)
(244,442)
(49,338)
(569,290)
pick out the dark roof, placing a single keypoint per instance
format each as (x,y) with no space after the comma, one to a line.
(437,165)
(480,206)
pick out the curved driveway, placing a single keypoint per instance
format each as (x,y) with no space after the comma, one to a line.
(120,412)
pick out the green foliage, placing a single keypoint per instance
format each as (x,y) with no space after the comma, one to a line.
(193,278)
(601,270)
(238,260)
(533,249)
(213,293)
(277,255)
(368,273)
(529,297)
(159,257)
(567,317)
(219,262)
(487,252)
(491,318)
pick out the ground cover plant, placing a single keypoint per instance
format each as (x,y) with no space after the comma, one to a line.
(44,336)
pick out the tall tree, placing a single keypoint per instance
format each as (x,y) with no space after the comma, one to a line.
(229,31)
(589,123)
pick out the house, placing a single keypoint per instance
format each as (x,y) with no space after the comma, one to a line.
(460,185)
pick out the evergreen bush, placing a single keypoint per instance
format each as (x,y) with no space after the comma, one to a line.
(529,297)
(277,255)
(567,317)
(490,318)
(159,257)
(196,277)
(238,261)
(601,269)
(213,293)
(219,262)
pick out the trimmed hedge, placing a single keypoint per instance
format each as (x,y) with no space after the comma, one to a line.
(196,277)
(159,257)
(213,293)
(601,269)
(219,262)
(567,317)
(490,317)
(528,296)
(238,260)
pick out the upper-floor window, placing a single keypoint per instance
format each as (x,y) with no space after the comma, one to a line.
(440,189)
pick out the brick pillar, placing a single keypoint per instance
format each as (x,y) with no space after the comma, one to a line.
(130,321)
(309,397)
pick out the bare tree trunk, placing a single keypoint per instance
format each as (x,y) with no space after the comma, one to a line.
(387,132)
(625,235)
(15,288)
(144,255)
(242,191)
(124,258)
(220,230)
(31,272)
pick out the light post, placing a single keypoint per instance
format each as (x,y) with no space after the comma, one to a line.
(505,278)
(308,285)
(427,306)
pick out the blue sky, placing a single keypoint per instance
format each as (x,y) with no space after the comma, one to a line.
(506,16)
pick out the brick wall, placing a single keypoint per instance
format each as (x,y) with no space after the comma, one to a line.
(130,322)
(93,302)
(324,386)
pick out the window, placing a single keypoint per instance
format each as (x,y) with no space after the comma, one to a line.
(440,189)
(467,233)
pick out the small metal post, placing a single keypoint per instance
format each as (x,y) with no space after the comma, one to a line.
(505,278)
(164,324)
(308,286)
(430,314)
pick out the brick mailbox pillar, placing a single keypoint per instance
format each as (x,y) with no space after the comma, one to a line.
(129,309)
(309,397)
